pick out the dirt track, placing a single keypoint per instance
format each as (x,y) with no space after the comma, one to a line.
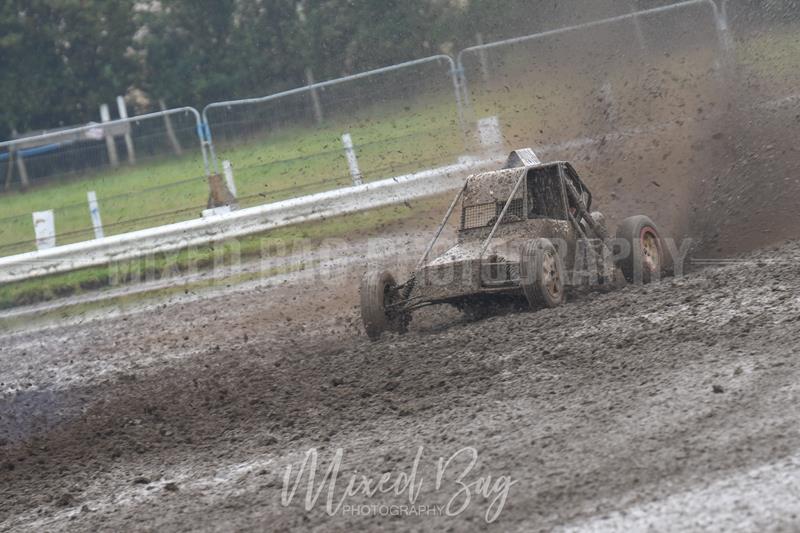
(602,412)
(673,406)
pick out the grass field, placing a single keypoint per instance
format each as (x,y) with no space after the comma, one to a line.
(772,61)
(275,242)
(395,138)
(292,162)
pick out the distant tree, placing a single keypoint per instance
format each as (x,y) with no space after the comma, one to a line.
(197,51)
(346,36)
(61,58)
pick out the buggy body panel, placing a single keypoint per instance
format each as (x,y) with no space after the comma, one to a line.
(460,272)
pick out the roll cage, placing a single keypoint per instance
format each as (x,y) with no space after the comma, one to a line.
(553,190)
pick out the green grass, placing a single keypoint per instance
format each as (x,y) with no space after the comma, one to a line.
(274,243)
(398,136)
(772,60)
(293,162)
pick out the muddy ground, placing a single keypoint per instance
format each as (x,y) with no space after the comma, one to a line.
(674,405)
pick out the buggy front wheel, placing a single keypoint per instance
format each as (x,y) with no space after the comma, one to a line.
(378,293)
(542,274)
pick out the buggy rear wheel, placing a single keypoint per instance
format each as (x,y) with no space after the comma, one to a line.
(378,293)
(542,274)
(645,261)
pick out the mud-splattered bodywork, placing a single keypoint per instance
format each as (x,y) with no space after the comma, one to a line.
(460,272)
(533,204)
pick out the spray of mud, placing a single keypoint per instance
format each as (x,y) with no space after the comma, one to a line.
(666,115)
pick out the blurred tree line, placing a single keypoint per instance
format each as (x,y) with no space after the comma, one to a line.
(60,59)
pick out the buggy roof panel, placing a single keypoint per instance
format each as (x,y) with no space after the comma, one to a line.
(496,185)
(492,187)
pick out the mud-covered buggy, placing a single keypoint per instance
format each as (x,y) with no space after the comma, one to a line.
(526,232)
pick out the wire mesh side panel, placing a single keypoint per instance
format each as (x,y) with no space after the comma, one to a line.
(631,103)
(400,121)
(88,154)
(168,137)
(485,215)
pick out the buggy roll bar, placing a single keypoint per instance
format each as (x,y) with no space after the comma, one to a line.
(500,218)
(571,192)
(441,226)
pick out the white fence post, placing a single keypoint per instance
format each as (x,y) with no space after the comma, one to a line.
(94,212)
(724,28)
(490,136)
(352,160)
(44,226)
(227,171)
(105,116)
(123,113)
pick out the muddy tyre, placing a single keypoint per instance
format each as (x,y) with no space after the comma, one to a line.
(378,292)
(542,274)
(645,261)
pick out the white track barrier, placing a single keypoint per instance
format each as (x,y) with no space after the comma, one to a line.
(240,223)
(304,209)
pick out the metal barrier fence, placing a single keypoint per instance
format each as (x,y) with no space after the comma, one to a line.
(609,75)
(101,146)
(399,119)
(129,198)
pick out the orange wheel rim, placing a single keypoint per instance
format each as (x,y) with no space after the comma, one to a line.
(651,250)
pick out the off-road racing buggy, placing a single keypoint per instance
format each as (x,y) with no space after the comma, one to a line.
(526,232)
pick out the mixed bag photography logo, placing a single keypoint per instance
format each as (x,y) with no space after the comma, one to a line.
(429,486)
